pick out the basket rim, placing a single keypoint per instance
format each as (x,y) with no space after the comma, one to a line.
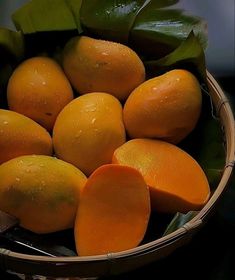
(193,224)
(224,104)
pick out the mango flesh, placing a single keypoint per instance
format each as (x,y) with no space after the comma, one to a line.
(20,135)
(88,130)
(42,191)
(176,181)
(114,211)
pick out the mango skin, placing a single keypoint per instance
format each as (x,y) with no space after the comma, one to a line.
(19,135)
(104,66)
(88,130)
(41,191)
(39,89)
(165,107)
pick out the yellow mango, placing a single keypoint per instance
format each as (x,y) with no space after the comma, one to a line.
(39,89)
(166,107)
(88,130)
(94,65)
(42,191)
(20,135)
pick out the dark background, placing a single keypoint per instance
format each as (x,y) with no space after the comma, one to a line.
(211,253)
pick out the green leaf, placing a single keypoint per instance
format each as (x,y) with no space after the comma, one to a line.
(47,15)
(157,32)
(113,19)
(206,142)
(5,73)
(163,3)
(189,55)
(11,52)
(11,42)
(75,6)
(211,151)
(110,20)
(179,220)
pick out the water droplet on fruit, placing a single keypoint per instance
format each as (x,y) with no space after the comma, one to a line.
(90,108)
(93,120)
(78,134)
(140,170)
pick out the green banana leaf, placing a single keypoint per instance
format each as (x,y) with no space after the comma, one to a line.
(147,26)
(179,220)
(5,73)
(75,6)
(157,32)
(48,15)
(11,42)
(189,55)
(110,20)
(114,19)
(11,52)
(210,152)
(141,23)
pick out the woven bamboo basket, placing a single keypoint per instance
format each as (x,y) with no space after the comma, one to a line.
(116,263)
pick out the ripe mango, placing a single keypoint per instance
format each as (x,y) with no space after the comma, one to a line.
(88,130)
(166,107)
(39,89)
(19,135)
(100,65)
(41,191)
